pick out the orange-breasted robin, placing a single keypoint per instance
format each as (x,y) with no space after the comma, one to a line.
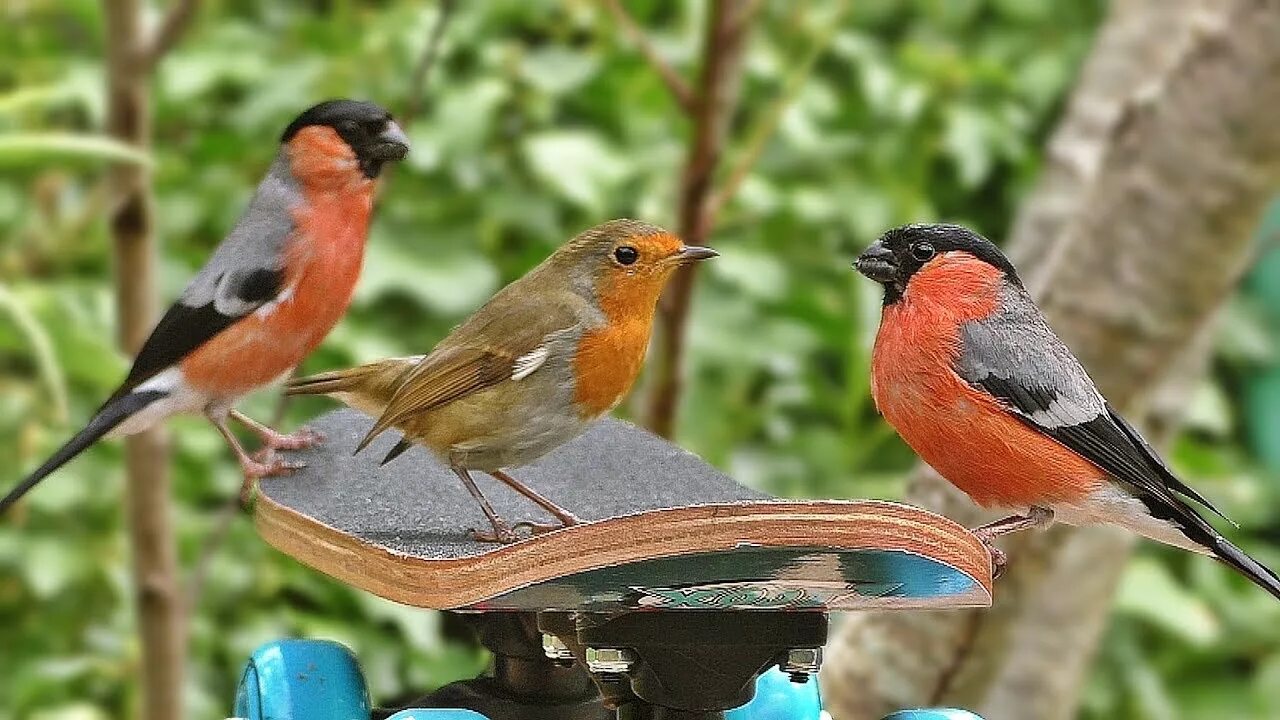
(531,369)
(270,293)
(967,370)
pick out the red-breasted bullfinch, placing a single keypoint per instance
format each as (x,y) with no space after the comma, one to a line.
(531,369)
(967,370)
(270,293)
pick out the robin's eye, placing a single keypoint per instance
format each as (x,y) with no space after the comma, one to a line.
(626,255)
(922,251)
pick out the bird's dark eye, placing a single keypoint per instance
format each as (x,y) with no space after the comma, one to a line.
(373,127)
(922,251)
(626,255)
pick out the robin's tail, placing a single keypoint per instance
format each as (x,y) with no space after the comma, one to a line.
(116,411)
(367,388)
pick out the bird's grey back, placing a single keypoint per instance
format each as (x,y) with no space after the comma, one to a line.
(256,243)
(1016,347)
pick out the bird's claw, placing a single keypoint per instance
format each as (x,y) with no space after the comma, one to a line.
(301,439)
(537,528)
(998,557)
(501,533)
(507,534)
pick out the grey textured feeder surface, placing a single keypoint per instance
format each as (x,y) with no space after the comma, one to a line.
(417,506)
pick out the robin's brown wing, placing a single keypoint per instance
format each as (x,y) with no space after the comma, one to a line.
(504,340)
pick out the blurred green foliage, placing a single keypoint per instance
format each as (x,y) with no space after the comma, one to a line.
(541,120)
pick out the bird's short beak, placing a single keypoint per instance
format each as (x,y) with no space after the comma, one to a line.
(391,143)
(693,253)
(878,263)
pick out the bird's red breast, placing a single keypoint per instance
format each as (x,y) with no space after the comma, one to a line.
(609,358)
(322,264)
(959,430)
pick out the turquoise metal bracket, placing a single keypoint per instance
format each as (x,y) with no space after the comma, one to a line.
(302,680)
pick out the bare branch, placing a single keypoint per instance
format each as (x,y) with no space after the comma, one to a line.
(767,125)
(676,84)
(717,99)
(171,29)
(426,61)
(161,620)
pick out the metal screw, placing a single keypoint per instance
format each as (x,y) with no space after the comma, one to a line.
(610,661)
(556,650)
(800,663)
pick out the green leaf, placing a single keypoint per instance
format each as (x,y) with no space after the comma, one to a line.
(577,164)
(1148,591)
(42,147)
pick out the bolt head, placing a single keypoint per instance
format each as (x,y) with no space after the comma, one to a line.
(610,661)
(802,661)
(555,649)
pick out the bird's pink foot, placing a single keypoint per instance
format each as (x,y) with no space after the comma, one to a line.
(301,440)
(263,464)
(501,533)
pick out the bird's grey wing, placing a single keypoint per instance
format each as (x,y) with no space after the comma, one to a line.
(1015,356)
(244,273)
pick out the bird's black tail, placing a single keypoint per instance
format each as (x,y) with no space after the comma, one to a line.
(116,411)
(1261,575)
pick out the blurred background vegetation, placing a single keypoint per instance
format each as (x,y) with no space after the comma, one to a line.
(540,119)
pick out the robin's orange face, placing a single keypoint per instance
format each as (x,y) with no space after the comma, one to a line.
(639,266)
(628,285)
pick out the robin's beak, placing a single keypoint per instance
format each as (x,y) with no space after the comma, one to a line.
(693,253)
(878,263)
(390,144)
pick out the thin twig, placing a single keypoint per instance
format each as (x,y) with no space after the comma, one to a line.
(764,129)
(426,61)
(718,84)
(675,84)
(171,29)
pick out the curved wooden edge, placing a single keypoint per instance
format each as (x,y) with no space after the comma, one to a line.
(460,582)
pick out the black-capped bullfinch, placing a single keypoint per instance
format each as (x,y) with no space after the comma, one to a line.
(970,374)
(270,293)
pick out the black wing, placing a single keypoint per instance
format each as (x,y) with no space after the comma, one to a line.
(244,273)
(1016,357)
(186,327)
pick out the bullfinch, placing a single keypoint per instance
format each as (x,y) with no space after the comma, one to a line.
(270,293)
(528,371)
(970,374)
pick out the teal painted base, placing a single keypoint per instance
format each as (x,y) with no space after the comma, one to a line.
(777,698)
(302,680)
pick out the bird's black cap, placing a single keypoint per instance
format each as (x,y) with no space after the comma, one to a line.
(365,126)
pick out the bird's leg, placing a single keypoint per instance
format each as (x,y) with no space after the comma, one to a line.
(1036,517)
(253,468)
(273,439)
(565,517)
(502,532)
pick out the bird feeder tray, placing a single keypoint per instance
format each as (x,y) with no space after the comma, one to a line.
(663,530)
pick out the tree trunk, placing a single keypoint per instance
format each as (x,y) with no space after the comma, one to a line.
(159,602)
(1138,230)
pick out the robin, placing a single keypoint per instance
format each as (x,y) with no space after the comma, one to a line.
(548,355)
(969,372)
(270,293)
